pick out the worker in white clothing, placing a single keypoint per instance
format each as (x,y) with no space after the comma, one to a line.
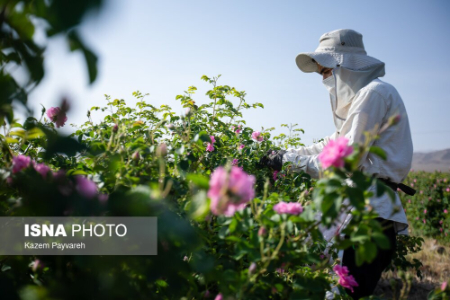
(360,101)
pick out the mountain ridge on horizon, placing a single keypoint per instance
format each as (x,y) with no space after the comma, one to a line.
(431,161)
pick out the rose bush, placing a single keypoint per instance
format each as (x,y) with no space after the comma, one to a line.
(428,209)
(227,228)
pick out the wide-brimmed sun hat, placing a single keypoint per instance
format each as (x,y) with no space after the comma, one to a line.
(343,47)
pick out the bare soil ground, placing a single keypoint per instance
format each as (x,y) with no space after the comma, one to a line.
(436,269)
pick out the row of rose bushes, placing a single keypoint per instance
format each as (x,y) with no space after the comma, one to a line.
(428,210)
(227,228)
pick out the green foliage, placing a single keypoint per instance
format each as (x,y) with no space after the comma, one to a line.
(153,162)
(428,210)
(149,161)
(19,49)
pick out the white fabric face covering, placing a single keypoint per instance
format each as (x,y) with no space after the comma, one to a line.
(343,86)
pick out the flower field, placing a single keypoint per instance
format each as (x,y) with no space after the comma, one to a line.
(229,228)
(428,209)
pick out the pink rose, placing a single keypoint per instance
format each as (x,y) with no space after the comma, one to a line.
(345,280)
(238,129)
(445,211)
(444,286)
(274,175)
(262,231)
(291,208)
(20,162)
(219,297)
(252,268)
(230,192)
(235,162)
(57,116)
(209,147)
(281,270)
(87,188)
(42,169)
(103,198)
(334,152)
(257,137)
(36,264)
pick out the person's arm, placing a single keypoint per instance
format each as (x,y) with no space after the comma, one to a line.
(314,148)
(367,110)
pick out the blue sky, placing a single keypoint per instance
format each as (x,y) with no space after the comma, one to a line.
(162,47)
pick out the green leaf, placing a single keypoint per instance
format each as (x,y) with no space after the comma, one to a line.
(199,180)
(199,206)
(381,240)
(35,133)
(378,151)
(76,43)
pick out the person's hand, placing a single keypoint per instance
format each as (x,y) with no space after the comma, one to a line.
(273,159)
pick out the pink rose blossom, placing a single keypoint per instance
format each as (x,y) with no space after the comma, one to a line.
(421,192)
(235,162)
(445,211)
(448,189)
(230,192)
(252,268)
(412,184)
(440,229)
(36,264)
(87,188)
(241,146)
(409,200)
(291,208)
(424,211)
(219,297)
(210,146)
(20,162)
(238,129)
(334,153)
(281,270)
(424,221)
(42,169)
(103,198)
(440,222)
(57,116)
(274,175)
(345,280)
(415,180)
(444,286)
(257,137)
(262,231)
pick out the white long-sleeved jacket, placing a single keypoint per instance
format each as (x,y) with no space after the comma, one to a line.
(371,106)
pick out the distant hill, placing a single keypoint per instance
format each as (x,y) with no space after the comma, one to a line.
(432,161)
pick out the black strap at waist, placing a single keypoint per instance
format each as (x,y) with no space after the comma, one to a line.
(403,187)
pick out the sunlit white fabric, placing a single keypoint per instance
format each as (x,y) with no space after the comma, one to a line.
(371,106)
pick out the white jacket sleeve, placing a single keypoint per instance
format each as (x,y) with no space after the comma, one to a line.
(305,158)
(368,109)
